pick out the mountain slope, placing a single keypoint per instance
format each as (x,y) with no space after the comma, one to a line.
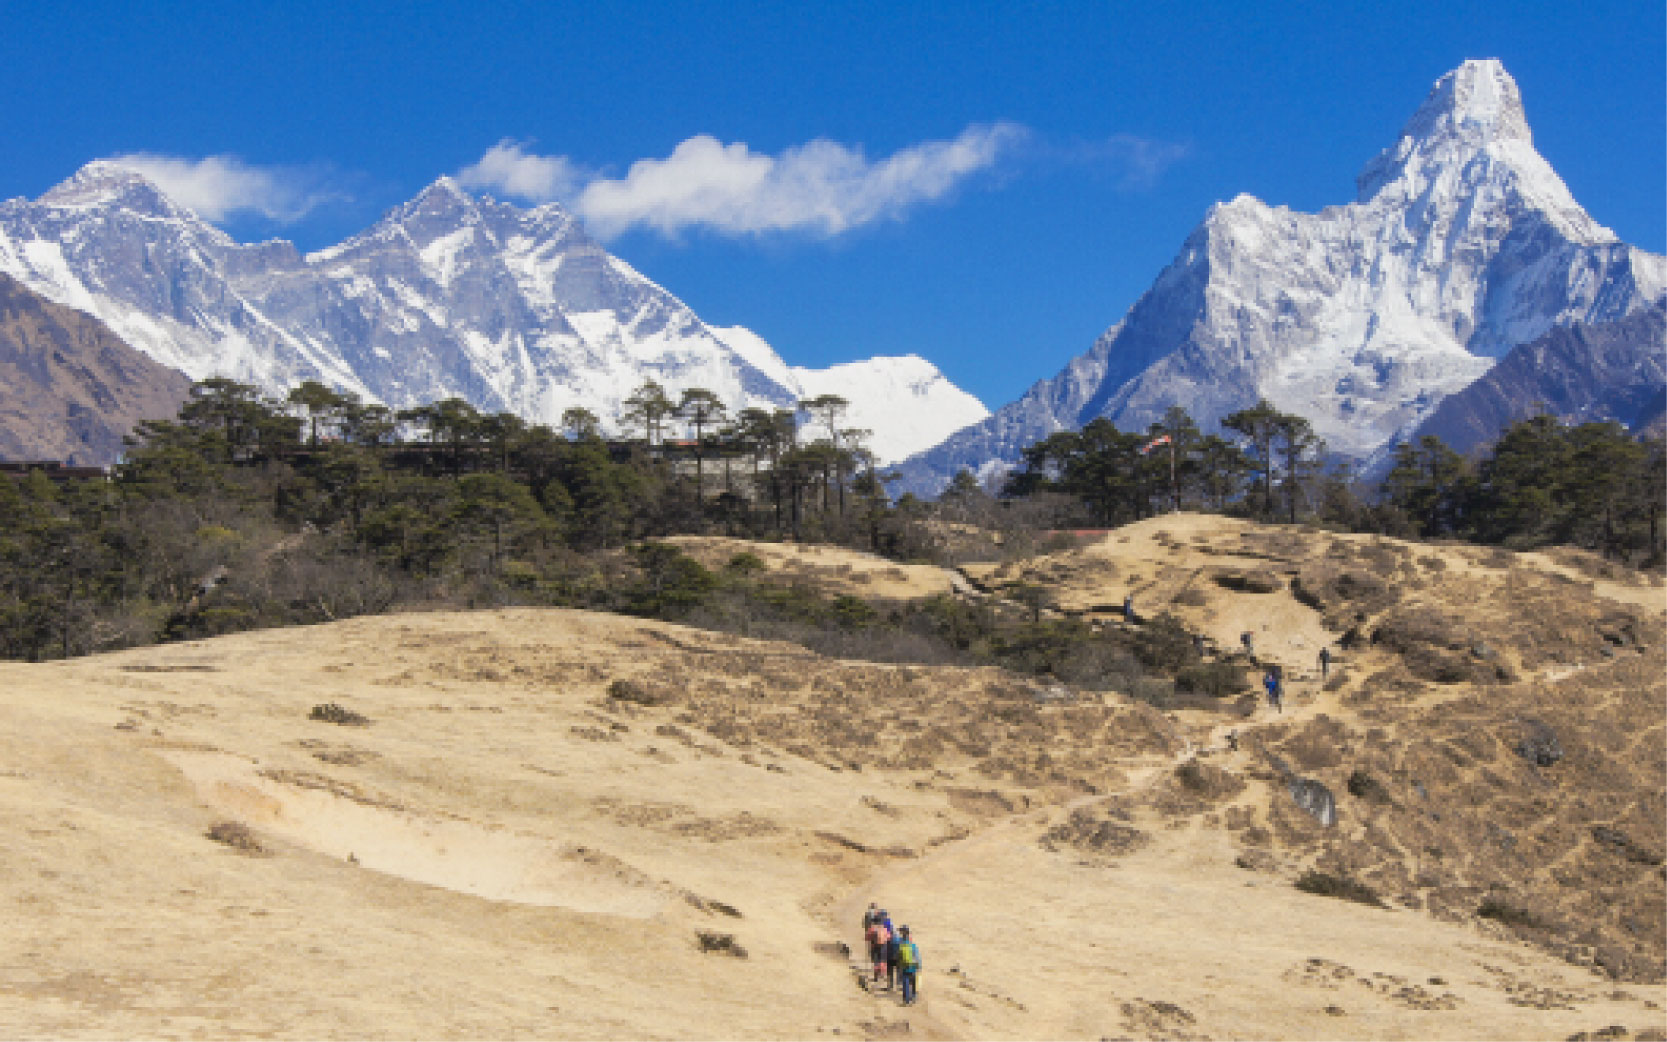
(449,294)
(69,388)
(1462,244)
(506,845)
(1615,371)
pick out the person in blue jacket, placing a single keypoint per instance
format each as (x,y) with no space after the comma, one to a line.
(908,966)
(1271,682)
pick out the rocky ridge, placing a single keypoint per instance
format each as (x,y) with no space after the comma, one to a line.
(449,294)
(1580,374)
(69,388)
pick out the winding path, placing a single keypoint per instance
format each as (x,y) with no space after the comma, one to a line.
(955,856)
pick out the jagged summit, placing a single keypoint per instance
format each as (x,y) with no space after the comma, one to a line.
(448,294)
(1477,96)
(1463,244)
(104,183)
(1470,139)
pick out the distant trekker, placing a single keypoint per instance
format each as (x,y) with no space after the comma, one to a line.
(878,937)
(1128,607)
(893,950)
(908,966)
(1248,639)
(1325,663)
(1270,681)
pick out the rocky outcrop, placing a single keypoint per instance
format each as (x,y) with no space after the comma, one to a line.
(1584,373)
(69,388)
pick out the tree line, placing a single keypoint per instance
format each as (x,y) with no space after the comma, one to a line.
(243,511)
(1591,485)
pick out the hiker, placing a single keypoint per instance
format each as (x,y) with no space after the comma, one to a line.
(1198,644)
(1270,681)
(1325,662)
(1248,639)
(908,964)
(1128,607)
(878,937)
(893,948)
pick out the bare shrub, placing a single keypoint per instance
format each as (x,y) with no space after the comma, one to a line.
(236,835)
(1208,780)
(1215,679)
(331,713)
(1364,786)
(1089,833)
(639,693)
(1509,914)
(1327,885)
(1258,581)
(720,944)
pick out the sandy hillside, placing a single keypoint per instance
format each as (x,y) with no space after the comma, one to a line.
(548,811)
(831,569)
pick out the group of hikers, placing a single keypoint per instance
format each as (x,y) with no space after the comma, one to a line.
(891,953)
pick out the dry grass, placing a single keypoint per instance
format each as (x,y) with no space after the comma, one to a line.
(833,570)
(552,803)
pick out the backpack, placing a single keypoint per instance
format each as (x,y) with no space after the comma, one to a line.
(908,956)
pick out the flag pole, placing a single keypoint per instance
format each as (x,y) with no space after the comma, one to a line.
(1174,486)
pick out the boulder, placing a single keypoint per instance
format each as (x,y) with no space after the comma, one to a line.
(1316,799)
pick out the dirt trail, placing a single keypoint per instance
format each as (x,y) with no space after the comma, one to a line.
(952,858)
(1305,698)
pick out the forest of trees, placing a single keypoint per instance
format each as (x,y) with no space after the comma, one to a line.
(243,512)
(1593,485)
(246,512)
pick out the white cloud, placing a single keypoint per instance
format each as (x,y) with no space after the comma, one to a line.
(216,187)
(1136,162)
(515,172)
(821,187)
(1143,159)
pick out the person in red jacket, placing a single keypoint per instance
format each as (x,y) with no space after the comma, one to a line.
(878,937)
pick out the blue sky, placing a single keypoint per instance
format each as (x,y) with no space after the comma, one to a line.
(987,185)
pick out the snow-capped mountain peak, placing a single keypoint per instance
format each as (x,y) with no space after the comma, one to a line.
(448,294)
(1478,95)
(1463,243)
(103,184)
(904,402)
(1470,137)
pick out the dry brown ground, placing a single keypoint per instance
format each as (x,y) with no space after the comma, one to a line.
(548,808)
(831,569)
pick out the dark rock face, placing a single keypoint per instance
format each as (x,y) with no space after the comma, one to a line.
(1624,845)
(69,388)
(1614,371)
